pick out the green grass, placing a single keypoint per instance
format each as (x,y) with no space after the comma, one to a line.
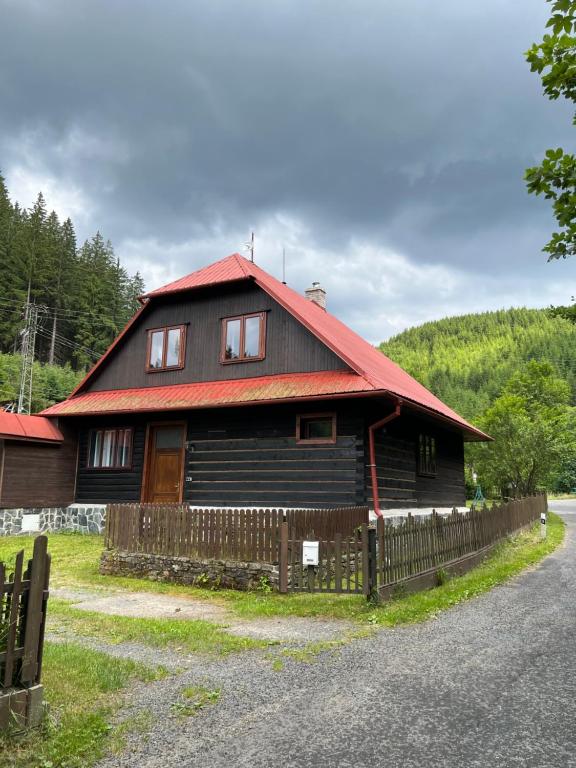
(75,564)
(192,636)
(83,689)
(509,559)
(193,699)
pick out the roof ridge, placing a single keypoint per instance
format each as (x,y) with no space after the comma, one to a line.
(241,261)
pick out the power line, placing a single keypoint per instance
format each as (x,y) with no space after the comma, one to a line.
(60,312)
(67,343)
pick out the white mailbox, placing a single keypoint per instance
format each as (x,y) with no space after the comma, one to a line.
(310,552)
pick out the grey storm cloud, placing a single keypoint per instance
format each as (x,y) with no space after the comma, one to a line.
(406,123)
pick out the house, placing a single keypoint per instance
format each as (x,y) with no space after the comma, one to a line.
(227,387)
(37,462)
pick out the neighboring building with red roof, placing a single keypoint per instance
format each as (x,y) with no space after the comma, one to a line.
(37,462)
(229,388)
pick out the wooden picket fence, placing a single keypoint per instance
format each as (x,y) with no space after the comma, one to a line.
(353,556)
(342,563)
(23,599)
(247,535)
(416,545)
(325,523)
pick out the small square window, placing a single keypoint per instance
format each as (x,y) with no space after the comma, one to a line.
(426,455)
(166,348)
(316,428)
(243,338)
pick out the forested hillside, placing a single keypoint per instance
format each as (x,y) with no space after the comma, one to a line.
(84,294)
(467,360)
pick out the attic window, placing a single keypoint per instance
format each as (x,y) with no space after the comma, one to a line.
(166,348)
(426,455)
(316,428)
(243,338)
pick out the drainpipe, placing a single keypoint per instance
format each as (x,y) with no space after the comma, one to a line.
(371,431)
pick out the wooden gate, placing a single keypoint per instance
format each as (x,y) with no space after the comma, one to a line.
(343,563)
(23,598)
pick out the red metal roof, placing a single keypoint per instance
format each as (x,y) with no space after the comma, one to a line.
(377,370)
(234,267)
(290,386)
(17,426)
(361,356)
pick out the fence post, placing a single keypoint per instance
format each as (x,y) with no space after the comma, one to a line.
(283,559)
(34,612)
(372,593)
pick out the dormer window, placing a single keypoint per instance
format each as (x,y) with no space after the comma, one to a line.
(243,338)
(166,348)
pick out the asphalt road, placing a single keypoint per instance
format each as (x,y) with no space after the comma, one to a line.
(490,683)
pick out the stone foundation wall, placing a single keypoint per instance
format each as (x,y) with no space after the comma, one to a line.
(182,570)
(80,518)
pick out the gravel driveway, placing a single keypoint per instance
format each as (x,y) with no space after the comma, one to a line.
(490,683)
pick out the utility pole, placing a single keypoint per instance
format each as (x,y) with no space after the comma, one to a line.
(27,352)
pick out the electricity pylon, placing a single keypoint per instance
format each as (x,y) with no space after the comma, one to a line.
(27,347)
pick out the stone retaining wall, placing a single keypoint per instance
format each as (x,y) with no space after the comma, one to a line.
(227,574)
(80,518)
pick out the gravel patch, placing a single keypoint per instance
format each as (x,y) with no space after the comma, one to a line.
(172,659)
(158,606)
(489,684)
(147,605)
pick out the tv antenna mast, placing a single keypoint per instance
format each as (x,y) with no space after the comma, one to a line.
(28,344)
(283,265)
(250,247)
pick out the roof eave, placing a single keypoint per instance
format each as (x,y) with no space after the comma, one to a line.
(189,288)
(29,439)
(473,433)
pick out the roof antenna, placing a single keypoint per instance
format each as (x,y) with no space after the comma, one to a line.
(283,265)
(250,247)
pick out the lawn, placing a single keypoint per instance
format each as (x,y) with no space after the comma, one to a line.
(75,565)
(191,636)
(83,689)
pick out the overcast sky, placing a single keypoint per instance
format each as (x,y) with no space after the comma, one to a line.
(382,143)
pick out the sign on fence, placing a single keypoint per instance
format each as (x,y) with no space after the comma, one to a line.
(310,552)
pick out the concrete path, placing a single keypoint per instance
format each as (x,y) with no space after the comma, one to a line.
(289,629)
(490,684)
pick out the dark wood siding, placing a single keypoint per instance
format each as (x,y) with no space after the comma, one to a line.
(249,456)
(103,486)
(290,348)
(243,456)
(399,483)
(38,475)
(447,488)
(252,457)
(396,471)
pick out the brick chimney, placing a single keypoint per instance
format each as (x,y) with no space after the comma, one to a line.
(317,294)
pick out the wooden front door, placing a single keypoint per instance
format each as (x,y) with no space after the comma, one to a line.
(163,482)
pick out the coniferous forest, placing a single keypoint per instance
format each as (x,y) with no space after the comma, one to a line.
(513,374)
(472,362)
(84,294)
(466,361)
